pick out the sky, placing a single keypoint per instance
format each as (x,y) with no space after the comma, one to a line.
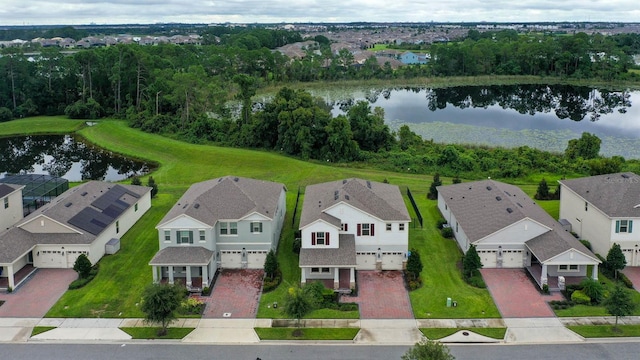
(80,12)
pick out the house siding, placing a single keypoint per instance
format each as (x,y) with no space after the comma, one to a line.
(13,213)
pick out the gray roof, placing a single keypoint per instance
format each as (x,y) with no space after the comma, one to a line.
(617,195)
(227,198)
(381,200)
(345,255)
(6,189)
(484,207)
(553,243)
(182,255)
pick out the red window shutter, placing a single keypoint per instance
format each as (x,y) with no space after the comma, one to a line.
(326,237)
(372,233)
(346,227)
(359,229)
(313,238)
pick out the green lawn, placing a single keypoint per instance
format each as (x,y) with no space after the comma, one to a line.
(598,331)
(40,329)
(152,332)
(41,125)
(307,333)
(439,333)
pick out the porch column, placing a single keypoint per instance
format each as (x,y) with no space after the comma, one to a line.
(352,278)
(336,278)
(205,276)
(594,272)
(170,271)
(188,270)
(155,274)
(10,277)
(303,278)
(543,276)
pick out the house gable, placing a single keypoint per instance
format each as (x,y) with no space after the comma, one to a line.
(572,256)
(43,224)
(183,221)
(516,233)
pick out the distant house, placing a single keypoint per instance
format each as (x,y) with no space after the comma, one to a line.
(603,209)
(349,225)
(10,205)
(82,220)
(510,230)
(228,222)
(410,58)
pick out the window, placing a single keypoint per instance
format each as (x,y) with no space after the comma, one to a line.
(319,238)
(185,237)
(366,230)
(624,226)
(228,228)
(202,236)
(256,227)
(586,206)
(344,227)
(456,226)
(167,235)
(568,267)
(326,270)
(401,227)
(135,207)
(315,270)
(117,227)
(388,227)
(6,202)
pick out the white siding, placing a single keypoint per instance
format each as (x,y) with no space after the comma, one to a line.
(13,213)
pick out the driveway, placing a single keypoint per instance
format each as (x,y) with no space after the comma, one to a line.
(381,295)
(38,294)
(515,295)
(236,294)
(633,273)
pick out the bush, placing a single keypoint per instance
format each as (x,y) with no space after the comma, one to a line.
(477,281)
(82,281)
(441,223)
(580,298)
(5,114)
(593,289)
(297,244)
(545,289)
(206,291)
(192,306)
(587,244)
(625,280)
(414,284)
(271,284)
(447,232)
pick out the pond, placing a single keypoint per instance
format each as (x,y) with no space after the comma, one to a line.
(540,116)
(65,156)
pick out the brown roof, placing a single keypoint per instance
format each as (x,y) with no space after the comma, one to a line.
(553,243)
(182,255)
(344,255)
(616,195)
(381,200)
(227,198)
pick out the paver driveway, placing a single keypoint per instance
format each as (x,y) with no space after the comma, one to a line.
(236,293)
(633,273)
(381,295)
(38,294)
(515,295)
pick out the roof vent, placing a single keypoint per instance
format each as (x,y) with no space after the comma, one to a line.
(489,188)
(336,194)
(625,176)
(509,210)
(344,181)
(506,192)
(346,197)
(369,184)
(519,204)
(498,198)
(235,179)
(196,205)
(185,205)
(67,204)
(84,193)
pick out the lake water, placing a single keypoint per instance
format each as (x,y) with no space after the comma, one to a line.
(545,117)
(64,156)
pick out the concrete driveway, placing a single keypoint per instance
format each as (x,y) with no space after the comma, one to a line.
(38,294)
(516,296)
(236,294)
(381,295)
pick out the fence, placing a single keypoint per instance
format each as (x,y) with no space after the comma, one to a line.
(295,209)
(415,206)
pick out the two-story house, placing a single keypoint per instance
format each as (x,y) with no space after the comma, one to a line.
(349,225)
(10,205)
(229,222)
(603,209)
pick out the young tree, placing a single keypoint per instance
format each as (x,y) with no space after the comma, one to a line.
(433,192)
(154,187)
(619,304)
(543,191)
(615,260)
(160,302)
(136,181)
(471,262)
(456,180)
(271,264)
(297,303)
(428,350)
(82,266)
(414,264)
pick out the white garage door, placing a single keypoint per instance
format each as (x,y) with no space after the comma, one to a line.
(256,259)
(52,259)
(366,261)
(72,256)
(392,261)
(512,258)
(488,258)
(231,259)
(628,255)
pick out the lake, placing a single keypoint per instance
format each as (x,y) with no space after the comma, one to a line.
(65,156)
(540,116)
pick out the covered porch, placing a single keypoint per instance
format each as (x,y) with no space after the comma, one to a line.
(192,266)
(536,272)
(16,279)
(334,267)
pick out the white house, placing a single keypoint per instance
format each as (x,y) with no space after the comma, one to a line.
(82,220)
(10,205)
(350,225)
(228,222)
(603,209)
(510,230)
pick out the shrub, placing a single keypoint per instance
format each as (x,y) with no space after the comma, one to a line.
(192,306)
(477,281)
(5,114)
(593,289)
(297,244)
(580,297)
(447,232)
(625,280)
(414,283)
(545,289)
(9,289)
(271,284)
(206,291)
(587,244)
(441,223)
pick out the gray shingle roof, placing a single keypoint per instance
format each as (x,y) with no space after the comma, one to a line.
(182,255)
(617,195)
(554,243)
(227,198)
(6,189)
(345,255)
(381,200)
(484,207)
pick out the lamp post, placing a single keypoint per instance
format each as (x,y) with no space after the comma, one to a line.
(580,221)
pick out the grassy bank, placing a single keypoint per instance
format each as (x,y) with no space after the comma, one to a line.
(152,332)
(603,331)
(41,125)
(439,333)
(306,333)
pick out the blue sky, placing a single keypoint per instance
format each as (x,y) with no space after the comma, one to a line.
(78,12)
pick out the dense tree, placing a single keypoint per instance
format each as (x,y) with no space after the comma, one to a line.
(433,191)
(151,182)
(271,264)
(471,262)
(297,303)
(619,303)
(593,289)
(160,302)
(414,264)
(586,147)
(82,266)
(615,260)
(543,191)
(428,350)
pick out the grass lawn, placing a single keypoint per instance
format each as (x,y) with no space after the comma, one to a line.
(40,329)
(439,333)
(152,332)
(598,331)
(307,333)
(41,125)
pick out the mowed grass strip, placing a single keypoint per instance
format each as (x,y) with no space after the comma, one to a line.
(602,331)
(152,332)
(439,333)
(306,333)
(41,329)
(41,125)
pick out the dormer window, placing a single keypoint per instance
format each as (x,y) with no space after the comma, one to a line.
(319,238)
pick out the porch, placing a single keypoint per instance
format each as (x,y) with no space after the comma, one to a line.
(18,278)
(345,283)
(539,273)
(193,278)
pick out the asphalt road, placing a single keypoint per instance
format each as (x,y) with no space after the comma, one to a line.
(159,351)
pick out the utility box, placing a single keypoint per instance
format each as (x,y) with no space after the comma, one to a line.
(448,302)
(112,246)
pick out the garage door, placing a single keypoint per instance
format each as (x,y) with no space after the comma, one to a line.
(512,259)
(628,255)
(256,259)
(366,261)
(52,259)
(72,256)
(392,261)
(231,259)
(488,258)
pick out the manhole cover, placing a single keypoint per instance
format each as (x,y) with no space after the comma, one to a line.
(226,315)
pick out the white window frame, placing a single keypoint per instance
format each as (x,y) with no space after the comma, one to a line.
(181,237)
(256,227)
(325,270)
(569,268)
(626,226)
(228,228)
(401,227)
(320,235)
(365,231)
(315,270)
(167,236)
(202,237)
(6,202)
(389,226)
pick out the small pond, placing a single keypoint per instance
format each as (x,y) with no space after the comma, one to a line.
(65,156)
